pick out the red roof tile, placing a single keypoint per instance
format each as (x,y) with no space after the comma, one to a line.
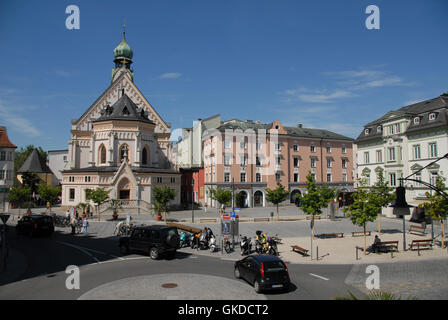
(4,140)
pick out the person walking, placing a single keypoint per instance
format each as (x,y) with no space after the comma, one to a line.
(73,224)
(85,224)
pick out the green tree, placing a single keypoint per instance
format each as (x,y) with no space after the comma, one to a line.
(98,196)
(437,206)
(327,194)
(312,199)
(221,195)
(48,193)
(383,193)
(31,180)
(83,206)
(364,208)
(277,196)
(161,197)
(17,195)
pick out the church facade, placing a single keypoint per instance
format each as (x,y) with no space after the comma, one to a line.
(120,143)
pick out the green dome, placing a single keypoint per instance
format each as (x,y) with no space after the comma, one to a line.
(123,50)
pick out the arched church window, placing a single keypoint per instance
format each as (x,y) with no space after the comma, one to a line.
(145,156)
(102,154)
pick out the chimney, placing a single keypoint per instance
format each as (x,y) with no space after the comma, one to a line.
(299,125)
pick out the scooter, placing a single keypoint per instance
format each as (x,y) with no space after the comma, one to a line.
(184,239)
(245,245)
(203,243)
(272,246)
(260,243)
(212,243)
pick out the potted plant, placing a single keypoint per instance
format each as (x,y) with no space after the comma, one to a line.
(83,206)
(115,205)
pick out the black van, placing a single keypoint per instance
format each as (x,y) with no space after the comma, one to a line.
(35,225)
(156,240)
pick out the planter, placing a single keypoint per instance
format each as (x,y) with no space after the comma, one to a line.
(158,218)
(83,215)
(115,216)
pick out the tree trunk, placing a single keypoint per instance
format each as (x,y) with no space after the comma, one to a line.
(278,216)
(365,240)
(379,223)
(98,212)
(165,215)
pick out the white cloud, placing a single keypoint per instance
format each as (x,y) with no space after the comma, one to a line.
(11,118)
(170,75)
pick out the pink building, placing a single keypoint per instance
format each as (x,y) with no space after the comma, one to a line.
(250,157)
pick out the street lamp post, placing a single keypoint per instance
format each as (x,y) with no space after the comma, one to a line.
(192,200)
(233,195)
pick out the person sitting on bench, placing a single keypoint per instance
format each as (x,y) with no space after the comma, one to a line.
(374,246)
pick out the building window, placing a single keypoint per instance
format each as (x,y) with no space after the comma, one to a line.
(227,144)
(344,163)
(433,178)
(277,177)
(243,145)
(313,148)
(243,160)
(379,156)
(392,179)
(173,180)
(433,150)
(328,177)
(313,176)
(432,116)
(416,120)
(366,157)
(258,146)
(243,176)
(145,156)
(366,132)
(277,146)
(296,162)
(313,162)
(378,129)
(278,160)
(226,176)
(227,160)
(295,148)
(72,194)
(258,177)
(124,153)
(397,128)
(2,174)
(417,152)
(329,163)
(392,154)
(328,149)
(296,177)
(102,154)
(257,161)
(159,179)
(344,177)
(3,156)
(418,176)
(344,150)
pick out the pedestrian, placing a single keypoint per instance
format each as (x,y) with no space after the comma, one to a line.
(85,224)
(205,207)
(128,219)
(67,214)
(76,213)
(73,224)
(375,244)
(28,212)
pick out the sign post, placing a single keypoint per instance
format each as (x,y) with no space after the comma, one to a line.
(312,227)
(4,218)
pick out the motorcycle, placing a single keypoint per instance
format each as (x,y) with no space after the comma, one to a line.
(203,243)
(245,245)
(260,243)
(194,243)
(227,245)
(271,246)
(212,243)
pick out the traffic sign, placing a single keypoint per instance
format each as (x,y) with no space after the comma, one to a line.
(232,214)
(4,217)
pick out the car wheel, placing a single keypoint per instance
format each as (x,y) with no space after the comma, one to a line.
(124,250)
(154,253)
(237,273)
(257,286)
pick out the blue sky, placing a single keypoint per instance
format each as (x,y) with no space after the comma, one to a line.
(309,62)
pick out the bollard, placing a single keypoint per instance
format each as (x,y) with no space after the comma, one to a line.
(356,250)
(392,254)
(418,249)
(317,253)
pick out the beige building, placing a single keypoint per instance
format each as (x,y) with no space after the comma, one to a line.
(251,156)
(7,150)
(120,143)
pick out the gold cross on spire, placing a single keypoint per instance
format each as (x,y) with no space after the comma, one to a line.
(124,28)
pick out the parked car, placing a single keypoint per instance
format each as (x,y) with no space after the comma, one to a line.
(35,225)
(264,272)
(155,240)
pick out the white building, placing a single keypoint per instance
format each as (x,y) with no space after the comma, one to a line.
(120,143)
(404,141)
(6,168)
(57,161)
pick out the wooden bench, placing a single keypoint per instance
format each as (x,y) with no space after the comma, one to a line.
(331,235)
(360,233)
(417,230)
(261,219)
(421,244)
(185,228)
(300,250)
(386,245)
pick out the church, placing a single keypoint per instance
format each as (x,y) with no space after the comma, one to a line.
(120,143)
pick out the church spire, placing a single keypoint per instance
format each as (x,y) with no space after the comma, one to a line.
(123,57)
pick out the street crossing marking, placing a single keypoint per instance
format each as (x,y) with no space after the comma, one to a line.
(80,249)
(320,277)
